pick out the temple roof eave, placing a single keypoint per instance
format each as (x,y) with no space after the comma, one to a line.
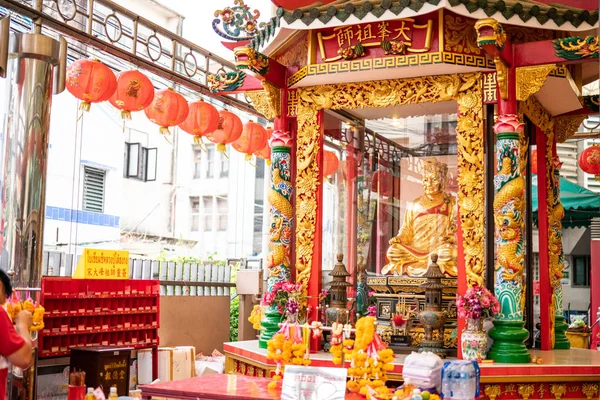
(546,17)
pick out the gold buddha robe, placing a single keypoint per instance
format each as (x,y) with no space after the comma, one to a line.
(429,227)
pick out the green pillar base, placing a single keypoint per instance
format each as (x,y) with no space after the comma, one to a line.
(509,342)
(560,338)
(269,326)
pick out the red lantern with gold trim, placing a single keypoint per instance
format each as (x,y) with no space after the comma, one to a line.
(202,119)
(253,138)
(589,161)
(90,81)
(265,152)
(134,92)
(330,163)
(229,130)
(168,108)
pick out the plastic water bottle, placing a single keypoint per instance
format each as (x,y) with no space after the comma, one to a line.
(447,379)
(458,383)
(471,381)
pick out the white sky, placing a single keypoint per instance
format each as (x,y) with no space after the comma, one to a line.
(199,14)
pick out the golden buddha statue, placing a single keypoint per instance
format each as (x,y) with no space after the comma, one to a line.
(429,227)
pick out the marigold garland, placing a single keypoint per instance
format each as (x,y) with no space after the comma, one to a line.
(288,346)
(371,360)
(255,317)
(14,306)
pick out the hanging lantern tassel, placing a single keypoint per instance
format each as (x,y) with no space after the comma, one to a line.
(85,106)
(248,158)
(125,116)
(200,142)
(164,131)
(221,148)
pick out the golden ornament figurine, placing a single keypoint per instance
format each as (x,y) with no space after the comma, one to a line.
(429,228)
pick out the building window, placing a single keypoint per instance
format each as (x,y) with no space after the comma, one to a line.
(197,163)
(140,162)
(222,209)
(195,205)
(93,189)
(581,271)
(210,161)
(208,212)
(224,166)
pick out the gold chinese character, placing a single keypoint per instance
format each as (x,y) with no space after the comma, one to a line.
(365,33)
(402,32)
(344,35)
(428,37)
(108,376)
(383,30)
(115,375)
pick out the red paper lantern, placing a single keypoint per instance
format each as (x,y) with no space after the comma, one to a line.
(253,138)
(134,92)
(90,81)
(382,183)
(229,130)
(589,161)
(330,163)
(265,152)
(168,108)
(202,119)
(349,165)
(386,184)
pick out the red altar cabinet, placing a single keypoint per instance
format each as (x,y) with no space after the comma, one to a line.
(400,163)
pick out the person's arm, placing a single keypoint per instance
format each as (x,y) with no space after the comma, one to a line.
(16,347)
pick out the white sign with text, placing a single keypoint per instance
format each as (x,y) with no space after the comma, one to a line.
(313,383)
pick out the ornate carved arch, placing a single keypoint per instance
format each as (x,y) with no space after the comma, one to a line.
(466,89)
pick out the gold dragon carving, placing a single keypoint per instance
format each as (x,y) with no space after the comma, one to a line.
(466,89)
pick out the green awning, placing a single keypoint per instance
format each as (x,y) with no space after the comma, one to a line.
(581,204)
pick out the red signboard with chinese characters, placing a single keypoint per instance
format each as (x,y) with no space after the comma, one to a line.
(378,39)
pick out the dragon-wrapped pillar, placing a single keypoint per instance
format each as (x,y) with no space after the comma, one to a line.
(278,261)
(558,255)
(509,333)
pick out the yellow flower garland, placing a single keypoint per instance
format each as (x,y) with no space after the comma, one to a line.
(287,350)
(14,308)
(369,366)
(255,317)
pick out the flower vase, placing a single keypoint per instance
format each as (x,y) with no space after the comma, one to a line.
(474,341)
(269,324)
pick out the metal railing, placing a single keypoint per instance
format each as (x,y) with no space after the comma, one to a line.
(203,278)
(129,38)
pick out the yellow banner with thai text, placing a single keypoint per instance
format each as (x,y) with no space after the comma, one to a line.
(103,264)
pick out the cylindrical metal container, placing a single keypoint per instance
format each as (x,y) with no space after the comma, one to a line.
(32,60)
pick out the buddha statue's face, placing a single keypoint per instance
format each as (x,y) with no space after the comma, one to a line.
(432,183)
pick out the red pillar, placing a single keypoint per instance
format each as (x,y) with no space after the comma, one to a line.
(595,290)
(350,172)
(315,280)
(543,227)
